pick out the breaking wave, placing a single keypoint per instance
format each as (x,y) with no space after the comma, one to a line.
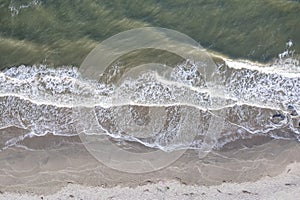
(254,99)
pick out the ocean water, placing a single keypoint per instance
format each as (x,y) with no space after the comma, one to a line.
(43,92)
(63,33)
(153,111)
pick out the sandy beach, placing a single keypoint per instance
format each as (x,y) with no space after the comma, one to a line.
(283,186)
(65,170)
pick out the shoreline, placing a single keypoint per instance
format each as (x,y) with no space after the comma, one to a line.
(57,167)
(283,186)
(48,169)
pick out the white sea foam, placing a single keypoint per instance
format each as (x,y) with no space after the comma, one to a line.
(15,6)
(256,99)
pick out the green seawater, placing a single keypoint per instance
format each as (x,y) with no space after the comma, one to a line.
(63,32)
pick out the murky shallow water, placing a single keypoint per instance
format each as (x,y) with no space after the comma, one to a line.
(63,33)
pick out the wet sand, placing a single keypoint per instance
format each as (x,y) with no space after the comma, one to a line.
(61,166)
(283,186)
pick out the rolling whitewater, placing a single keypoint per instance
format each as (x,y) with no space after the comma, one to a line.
(256,100)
